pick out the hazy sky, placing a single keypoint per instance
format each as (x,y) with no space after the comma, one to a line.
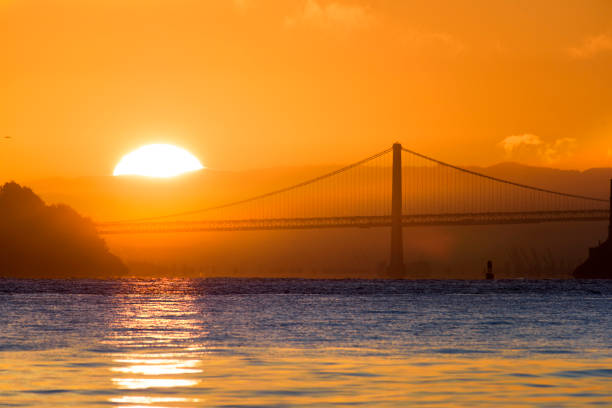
(262,83)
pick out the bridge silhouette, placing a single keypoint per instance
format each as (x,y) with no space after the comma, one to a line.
(394,188)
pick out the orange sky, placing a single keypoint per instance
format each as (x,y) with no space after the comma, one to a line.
(262,83)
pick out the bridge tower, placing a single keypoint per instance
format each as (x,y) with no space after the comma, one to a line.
(396,264)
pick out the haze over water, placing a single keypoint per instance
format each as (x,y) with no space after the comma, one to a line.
(228,343)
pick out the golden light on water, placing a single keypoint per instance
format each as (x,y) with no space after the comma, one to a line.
(160,333)
(162,368)
(144,383)
(149,400)
(144,401)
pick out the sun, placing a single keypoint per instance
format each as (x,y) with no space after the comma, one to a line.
(157,160)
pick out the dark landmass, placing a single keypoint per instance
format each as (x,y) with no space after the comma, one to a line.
(599,263)
(49,241)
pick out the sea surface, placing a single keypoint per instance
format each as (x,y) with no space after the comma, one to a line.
(305,343)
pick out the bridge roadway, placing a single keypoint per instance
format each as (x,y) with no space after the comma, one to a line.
(486,218)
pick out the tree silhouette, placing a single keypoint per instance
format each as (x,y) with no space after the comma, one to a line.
(49,241)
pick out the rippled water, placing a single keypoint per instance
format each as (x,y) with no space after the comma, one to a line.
(276,343)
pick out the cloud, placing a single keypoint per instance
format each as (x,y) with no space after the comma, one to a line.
(331,15)
(437,41)
(592,46)
(335,15)
(513,143)
(531,148)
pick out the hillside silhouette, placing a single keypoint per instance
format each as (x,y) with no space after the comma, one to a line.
(49,241)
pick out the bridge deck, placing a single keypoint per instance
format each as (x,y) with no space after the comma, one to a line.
(489,218)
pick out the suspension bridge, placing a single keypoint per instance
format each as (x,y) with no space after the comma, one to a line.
(394,188)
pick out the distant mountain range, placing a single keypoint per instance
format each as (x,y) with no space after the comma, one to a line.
(592,182)
(115,198)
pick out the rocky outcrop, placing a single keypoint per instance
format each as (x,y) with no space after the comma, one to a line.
(599,263)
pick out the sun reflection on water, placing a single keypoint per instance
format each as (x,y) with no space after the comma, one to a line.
(144,383)
(158,367)
(147,402)
(159,353)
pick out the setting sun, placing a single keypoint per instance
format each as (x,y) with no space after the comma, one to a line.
(157,160)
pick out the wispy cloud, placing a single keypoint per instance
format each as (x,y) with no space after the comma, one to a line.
(514,143)
(331,15)
(440,41)
(531,148)
(592,46)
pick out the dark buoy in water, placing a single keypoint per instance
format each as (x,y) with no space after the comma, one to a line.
(489,275)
